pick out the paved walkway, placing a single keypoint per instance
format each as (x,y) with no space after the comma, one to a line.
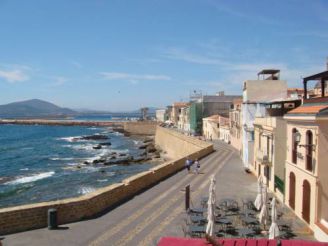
(157,212)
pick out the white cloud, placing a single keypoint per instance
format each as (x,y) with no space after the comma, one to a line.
(13,76)
(59,81)
(133,78)
(179,54)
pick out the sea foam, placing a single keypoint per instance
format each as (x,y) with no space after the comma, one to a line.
(31,178)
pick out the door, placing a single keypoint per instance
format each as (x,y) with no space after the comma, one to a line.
(306,201)
(292,190)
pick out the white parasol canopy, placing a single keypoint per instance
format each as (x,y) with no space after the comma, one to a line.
(259,198)
(211,208)
(264,210)
(274,229)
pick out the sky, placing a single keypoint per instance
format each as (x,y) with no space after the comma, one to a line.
(121,55)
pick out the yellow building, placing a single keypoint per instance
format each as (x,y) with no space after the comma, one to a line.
(270,145)
(235,124)
(307,160)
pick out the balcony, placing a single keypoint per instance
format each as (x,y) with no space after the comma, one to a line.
(263,158)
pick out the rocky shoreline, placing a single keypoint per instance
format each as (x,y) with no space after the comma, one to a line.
(149,152)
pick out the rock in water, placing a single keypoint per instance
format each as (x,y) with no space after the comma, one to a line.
(97,146)
(95,137)
(106,144)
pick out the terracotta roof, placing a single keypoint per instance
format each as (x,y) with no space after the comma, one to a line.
(237,101)
(295,89)
(213,117)
(180,104)
(308,109)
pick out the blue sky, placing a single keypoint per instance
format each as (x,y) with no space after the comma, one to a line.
(122,55)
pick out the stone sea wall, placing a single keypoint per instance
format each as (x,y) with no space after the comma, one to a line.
(33,216)
(140,127)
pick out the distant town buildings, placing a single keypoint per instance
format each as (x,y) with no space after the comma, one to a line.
(281,134)
(161,115)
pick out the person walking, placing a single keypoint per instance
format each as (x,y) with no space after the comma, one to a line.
(197,166)
(188,164)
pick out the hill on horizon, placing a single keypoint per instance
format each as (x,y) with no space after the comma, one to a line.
(33,108)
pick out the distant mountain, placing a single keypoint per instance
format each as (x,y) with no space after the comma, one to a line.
(33,108)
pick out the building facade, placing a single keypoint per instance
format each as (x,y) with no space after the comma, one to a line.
(176,111)
(184,120)
(235,118)
(270,145)
(306,162)
(255,95)
(211,127)
(161,115)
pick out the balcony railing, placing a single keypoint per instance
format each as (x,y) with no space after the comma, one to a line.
(263,158)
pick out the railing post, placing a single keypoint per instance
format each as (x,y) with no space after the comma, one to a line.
(187,197)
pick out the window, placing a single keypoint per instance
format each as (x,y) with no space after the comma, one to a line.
(294,146)
(309,149)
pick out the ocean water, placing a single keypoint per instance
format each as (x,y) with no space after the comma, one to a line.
(39,163)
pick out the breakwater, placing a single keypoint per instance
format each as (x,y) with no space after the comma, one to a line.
(32,216)
(127,127)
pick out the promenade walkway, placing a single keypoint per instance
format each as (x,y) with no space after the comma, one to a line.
(157,212)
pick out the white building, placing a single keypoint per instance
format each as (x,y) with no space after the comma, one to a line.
(184,120)
(161,115)
(255,94)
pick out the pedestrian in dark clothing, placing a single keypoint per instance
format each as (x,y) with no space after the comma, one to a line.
(188,164)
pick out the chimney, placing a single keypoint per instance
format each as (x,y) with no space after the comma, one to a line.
(327,64)
(220,93)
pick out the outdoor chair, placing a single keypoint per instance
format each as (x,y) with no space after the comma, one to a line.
(185,230)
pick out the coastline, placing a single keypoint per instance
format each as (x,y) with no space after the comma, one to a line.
(97,158)
(32,216)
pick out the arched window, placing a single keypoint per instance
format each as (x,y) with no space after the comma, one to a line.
(309,148)
(294,146)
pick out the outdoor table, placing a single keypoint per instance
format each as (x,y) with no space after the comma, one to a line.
(228,201)
(249,212)
(224,222)
(197,219)
(245,232)
(198,210)
(249,220)
(197,229)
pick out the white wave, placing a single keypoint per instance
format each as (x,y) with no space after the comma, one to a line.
(110,174)
(102,180)
(118,134)
(93,128)
(24,169)
(27,148)
(86,190)
(86,147)
(121,151)
(136,142)
(69,139)
(61,159)
(72,164)
(90,169)
(32,178)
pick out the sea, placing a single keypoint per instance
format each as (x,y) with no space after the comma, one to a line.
(45,163)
